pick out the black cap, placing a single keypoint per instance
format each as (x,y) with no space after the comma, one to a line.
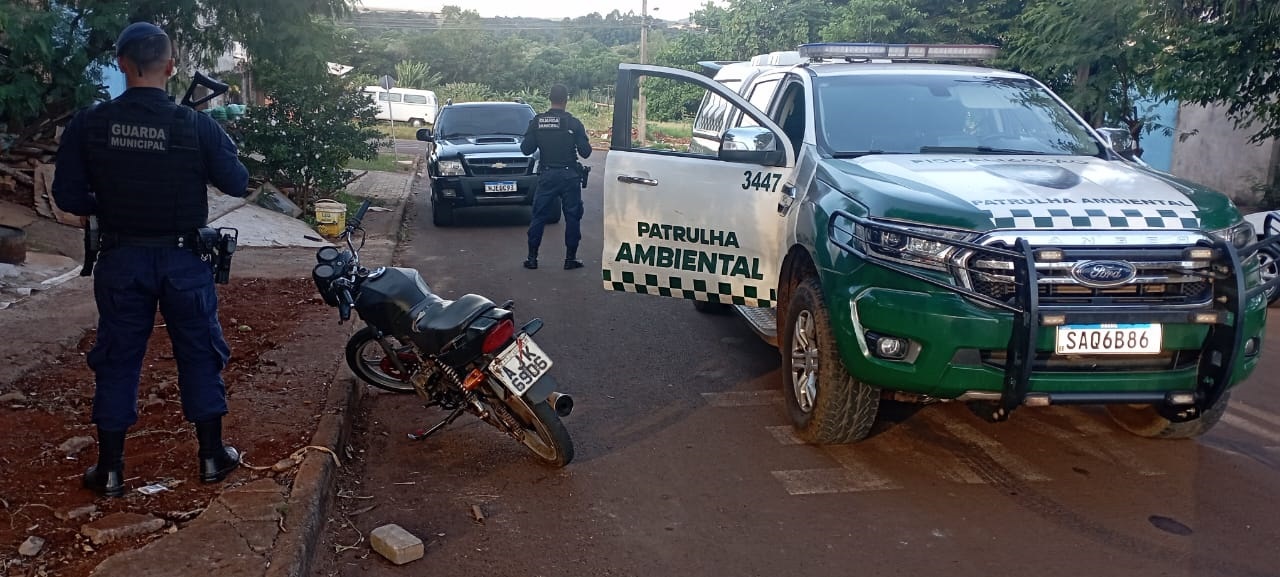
(137,31)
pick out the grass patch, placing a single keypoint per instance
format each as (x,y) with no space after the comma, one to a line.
(385,162)
(402,131)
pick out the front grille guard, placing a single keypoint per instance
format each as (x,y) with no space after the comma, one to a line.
(1224,314)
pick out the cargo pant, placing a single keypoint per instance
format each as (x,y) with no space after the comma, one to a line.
(565,184)
(130,284)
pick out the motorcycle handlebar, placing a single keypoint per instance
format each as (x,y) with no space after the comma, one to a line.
(344,304)
(359,217)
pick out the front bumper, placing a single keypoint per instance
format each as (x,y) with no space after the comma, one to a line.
(970,346)
(460,191)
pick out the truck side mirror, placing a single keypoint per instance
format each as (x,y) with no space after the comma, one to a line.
(751,145)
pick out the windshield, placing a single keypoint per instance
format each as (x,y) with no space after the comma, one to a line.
(914,114)
(483,120)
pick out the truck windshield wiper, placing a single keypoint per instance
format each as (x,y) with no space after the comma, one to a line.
(455,135)
(978,150)
(860,153)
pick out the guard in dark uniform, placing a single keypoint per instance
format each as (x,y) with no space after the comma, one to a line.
(140,164)
(562,139)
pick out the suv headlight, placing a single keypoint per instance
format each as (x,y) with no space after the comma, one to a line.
(1240,235)
(897,243)
(451,168)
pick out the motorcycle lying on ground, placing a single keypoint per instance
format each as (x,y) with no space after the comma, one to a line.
(462,356)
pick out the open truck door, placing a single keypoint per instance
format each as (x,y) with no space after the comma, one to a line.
(700,226)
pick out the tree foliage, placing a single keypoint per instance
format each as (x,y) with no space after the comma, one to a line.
(1223,52)
(53,52)
(1096,53)
(313,124)
(416,75)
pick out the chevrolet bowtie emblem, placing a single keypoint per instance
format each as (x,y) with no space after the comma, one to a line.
(499,165)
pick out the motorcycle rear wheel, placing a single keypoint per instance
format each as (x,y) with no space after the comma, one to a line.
(361,349)
(544,433)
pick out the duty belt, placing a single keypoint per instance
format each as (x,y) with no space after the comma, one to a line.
(188,241)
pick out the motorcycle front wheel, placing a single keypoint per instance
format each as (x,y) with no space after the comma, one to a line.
(370,363)
(544,433)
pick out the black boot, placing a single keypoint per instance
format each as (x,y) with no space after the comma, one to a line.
(571,260)
(532,261)
(107,477)
(216,460)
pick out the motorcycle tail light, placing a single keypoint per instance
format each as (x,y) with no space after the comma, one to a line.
(473,380)
(498,336)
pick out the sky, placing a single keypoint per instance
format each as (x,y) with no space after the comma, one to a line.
(665,9)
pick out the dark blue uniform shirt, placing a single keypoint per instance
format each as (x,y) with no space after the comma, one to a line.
(74,193)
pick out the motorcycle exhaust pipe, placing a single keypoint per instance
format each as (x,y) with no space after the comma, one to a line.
(562,403)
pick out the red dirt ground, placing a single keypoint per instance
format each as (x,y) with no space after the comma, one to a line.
(283,354)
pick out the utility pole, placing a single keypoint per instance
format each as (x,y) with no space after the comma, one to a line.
(644,59)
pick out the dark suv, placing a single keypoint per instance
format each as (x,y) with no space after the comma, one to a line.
(475,158)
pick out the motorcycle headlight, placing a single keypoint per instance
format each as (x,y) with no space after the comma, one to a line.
(451,168)
(1240,235)
(920,246)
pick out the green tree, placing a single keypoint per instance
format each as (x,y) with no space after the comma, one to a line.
(411,74)
(1096,53)
(312,126)
(465,92)
(1220,52)
(751,27)
(53,52)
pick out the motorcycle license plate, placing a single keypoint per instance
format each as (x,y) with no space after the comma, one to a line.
(508,186)
(520,365)
(1109,339)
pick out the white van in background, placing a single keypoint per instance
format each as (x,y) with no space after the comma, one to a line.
(416,107)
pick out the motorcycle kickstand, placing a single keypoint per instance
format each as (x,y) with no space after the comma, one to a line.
(421,434)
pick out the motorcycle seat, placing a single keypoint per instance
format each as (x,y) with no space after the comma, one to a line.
(445,320)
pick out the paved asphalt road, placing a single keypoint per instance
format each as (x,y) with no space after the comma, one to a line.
(685,465)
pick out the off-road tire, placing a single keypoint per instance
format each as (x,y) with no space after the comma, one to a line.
(1145,421)
(844,408)
(441,213)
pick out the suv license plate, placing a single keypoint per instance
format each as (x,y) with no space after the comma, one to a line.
(1109,339)
(521,365)
(508,186)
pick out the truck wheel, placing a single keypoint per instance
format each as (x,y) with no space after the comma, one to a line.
(1269,267)
(827,405)
(441,213)
(417,123)
(1145,421)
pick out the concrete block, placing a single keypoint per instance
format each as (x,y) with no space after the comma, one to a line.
(396,544)
(121,526)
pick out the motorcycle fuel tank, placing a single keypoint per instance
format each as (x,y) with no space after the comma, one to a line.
(386,300)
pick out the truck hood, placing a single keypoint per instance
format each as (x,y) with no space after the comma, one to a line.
(985,192)
(469,145)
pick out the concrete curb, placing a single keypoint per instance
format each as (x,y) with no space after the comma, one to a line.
(310,500)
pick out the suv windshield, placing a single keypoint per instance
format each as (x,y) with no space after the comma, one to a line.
(913,114)
(483,120)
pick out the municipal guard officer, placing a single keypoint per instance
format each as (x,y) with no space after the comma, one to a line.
(140,164)
(561,138)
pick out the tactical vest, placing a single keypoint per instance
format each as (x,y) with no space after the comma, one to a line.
(555,138)
(146,168)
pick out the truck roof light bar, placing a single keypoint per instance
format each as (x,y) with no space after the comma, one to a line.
(870,50)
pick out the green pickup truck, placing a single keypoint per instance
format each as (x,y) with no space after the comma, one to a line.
(905,224)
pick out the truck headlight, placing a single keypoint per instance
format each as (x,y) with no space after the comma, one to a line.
(451,168)
(1240,235)
(899,244)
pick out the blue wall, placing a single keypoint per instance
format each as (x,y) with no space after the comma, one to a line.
(1157,149)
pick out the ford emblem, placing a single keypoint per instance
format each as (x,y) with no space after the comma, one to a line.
(1103,273)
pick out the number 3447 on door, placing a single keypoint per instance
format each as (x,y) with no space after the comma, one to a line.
(767,181)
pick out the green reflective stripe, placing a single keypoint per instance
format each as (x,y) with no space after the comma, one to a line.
(695,289)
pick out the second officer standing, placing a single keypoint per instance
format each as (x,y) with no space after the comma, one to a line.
(562,139)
